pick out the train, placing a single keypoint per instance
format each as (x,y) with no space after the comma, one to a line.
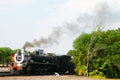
(38,62)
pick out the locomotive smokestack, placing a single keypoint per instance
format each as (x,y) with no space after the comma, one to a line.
(23,50)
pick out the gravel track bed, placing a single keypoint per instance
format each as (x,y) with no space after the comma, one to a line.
(45,77)
(49,77)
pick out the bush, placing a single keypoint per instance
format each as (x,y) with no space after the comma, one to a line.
(96,74)
(81,70)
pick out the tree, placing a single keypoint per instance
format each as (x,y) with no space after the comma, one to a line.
(5,54)
(104,52)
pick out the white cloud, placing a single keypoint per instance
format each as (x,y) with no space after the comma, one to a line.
(73,8)
(68,12)
(16,2)
(114,4)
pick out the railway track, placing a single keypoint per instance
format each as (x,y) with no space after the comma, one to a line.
(5,74)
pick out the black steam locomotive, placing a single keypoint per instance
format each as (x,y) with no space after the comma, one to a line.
(38,62)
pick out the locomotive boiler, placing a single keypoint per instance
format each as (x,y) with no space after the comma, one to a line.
(39,62)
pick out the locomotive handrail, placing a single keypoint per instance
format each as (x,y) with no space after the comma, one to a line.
(41,63)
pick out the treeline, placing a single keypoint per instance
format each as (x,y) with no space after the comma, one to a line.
(101,51)
(5,54)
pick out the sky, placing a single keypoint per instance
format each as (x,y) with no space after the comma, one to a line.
(58,22)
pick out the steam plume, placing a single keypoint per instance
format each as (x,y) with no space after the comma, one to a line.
(53,38)
(70,28)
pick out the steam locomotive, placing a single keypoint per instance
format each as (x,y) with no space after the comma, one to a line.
(39,62)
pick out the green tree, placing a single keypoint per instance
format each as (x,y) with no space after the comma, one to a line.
(5,54)
(104,52)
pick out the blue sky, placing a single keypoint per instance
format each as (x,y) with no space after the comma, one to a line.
(26,20)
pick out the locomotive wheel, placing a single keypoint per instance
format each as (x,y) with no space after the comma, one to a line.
(12,72)
(15,72)
(27,69)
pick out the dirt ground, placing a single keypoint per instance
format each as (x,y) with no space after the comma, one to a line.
(49,77)
(45,77)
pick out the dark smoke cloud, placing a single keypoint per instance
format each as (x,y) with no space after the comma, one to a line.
(101,16)
(28,44)
(53,38)
(85,21)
